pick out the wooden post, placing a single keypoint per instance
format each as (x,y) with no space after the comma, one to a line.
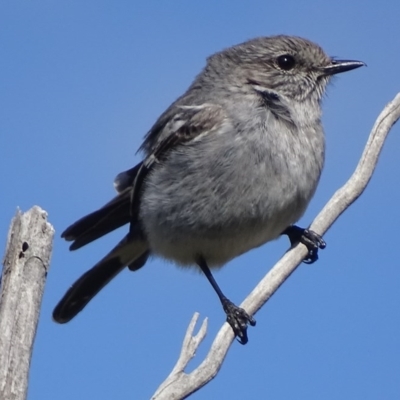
(26,264)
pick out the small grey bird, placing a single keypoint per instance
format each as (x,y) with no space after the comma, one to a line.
(229,166)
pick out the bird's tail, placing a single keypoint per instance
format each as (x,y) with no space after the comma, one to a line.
(113,215)
(132,251)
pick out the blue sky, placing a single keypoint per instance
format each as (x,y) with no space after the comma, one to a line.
(82,82)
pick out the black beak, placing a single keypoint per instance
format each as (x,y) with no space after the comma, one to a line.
(338,66)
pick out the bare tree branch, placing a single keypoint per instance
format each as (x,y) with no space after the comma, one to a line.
(180,385)
(26,264)
(189,347)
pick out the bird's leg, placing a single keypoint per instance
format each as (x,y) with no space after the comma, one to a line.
(236,317)
(309,238)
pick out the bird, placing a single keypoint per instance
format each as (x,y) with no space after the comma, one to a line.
(229,166)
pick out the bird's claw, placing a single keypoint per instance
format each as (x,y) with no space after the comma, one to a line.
(238,319)
(313,242)
(309,238)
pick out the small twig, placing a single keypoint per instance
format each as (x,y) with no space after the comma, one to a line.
(190,345)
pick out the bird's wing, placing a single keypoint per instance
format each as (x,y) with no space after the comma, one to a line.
(179,125)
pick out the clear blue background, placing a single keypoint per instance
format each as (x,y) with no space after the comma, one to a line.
(81,82)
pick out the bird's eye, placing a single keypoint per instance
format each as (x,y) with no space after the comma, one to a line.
(286,62)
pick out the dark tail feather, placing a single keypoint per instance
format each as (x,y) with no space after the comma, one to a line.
(127,178)
(113,215)
(97,224)
(131,251)
(139,262)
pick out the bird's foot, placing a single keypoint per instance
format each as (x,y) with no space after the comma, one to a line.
(238,319)
(309,238)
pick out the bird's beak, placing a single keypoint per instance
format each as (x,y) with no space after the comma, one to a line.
(338,66)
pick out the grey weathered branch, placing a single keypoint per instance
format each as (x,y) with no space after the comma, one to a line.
(26,264)
(180,385)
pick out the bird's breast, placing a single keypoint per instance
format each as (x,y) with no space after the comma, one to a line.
(229,193)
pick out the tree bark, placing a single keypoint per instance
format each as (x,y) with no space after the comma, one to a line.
(26,264)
